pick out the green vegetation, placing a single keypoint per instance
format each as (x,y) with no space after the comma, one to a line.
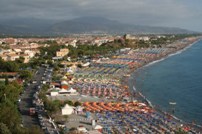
(4,46)
(50,106)
(34,130)
(49,52)
(50,42)
(46,53)
(20,60)
(154,41)
(93,50)
(4,129)
(25,74)
(77,103)
(34,62)
(54,106)
(15,66)
(10,119)
(8,66)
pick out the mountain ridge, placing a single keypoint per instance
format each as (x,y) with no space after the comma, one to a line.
(82,25)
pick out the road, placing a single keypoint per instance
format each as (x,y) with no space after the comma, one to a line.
(26,100)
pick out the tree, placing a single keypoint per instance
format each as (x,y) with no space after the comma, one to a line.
(51,107)
(49,62)
(9,115)
(35,130)
(20,60)
(77,103)
(79,66)
(12,66)
(6,80)
(25,74)
(8,66)
(69,102)
(4,129)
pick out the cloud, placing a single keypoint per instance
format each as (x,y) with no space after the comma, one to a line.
(145,12)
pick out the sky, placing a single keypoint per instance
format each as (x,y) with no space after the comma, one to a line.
(172,13)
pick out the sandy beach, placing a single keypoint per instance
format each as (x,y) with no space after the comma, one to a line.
(178,51)
(172,53)
(103,88)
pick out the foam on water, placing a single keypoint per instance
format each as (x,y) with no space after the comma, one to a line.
(173,54)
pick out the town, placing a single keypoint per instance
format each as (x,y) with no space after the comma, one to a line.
(79,84)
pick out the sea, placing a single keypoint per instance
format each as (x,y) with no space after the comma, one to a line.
(174,84)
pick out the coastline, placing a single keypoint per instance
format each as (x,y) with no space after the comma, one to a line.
(113,80)
(173,53)
(159,59)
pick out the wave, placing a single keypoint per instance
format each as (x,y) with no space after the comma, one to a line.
(182,50)
(147,101)
(134,88)
(153,62)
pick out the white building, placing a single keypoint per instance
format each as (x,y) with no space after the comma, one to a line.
(30,53)
(73,43)
(54,93)
(17,50)
(67,110)
(82,129)
(144,38)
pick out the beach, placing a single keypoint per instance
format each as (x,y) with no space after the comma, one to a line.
(107,80)
(184,87)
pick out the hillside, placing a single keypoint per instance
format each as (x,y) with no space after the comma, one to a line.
(90,25)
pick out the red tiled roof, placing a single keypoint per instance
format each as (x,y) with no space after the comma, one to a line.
(8,73)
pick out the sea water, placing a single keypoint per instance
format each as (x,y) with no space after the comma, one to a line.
(177,79)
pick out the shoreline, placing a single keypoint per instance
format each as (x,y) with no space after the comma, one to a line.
(173,53)
(114,80)
(159,59)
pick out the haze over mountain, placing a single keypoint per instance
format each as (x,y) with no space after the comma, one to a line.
(89,25)
(184,14)
(25,26)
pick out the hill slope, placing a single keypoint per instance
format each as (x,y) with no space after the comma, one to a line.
(90,25)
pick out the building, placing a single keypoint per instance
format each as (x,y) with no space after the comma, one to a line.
(64,85)
(10,75)
(98,128)
(17,51)
(67,110)
(62,52)
(10,40)
(12,57)
(4,57)
(73,43)
(144,38)
(26,57)
(30,53)
(82,129)
(129,37)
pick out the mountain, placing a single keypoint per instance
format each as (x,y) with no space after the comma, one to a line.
(90,25)
(103,25)
(25,26)
(87,25)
